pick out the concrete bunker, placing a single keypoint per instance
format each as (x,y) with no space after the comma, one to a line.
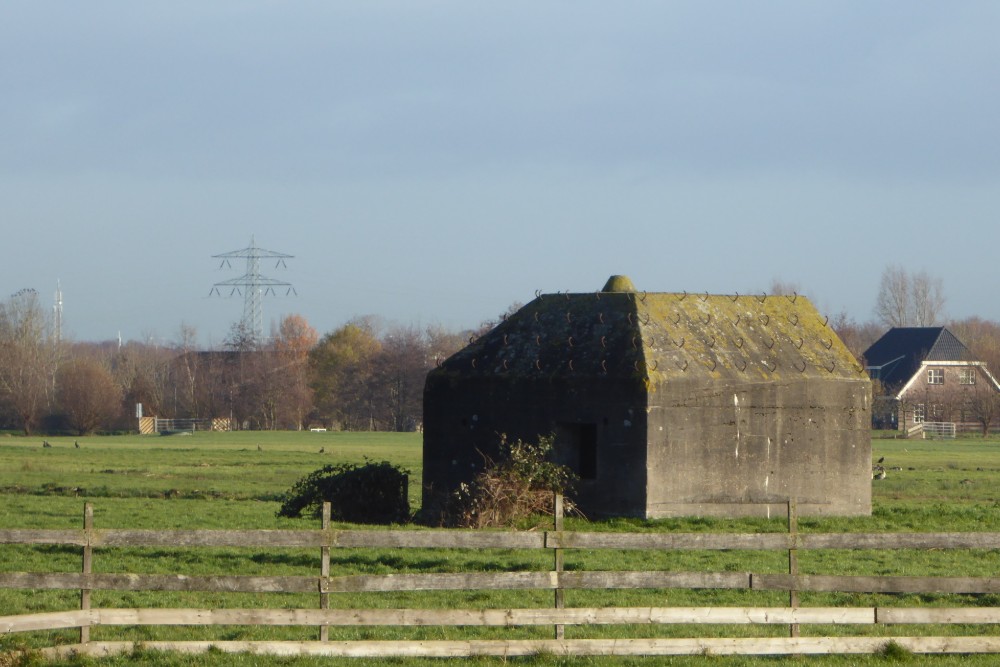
(665,404)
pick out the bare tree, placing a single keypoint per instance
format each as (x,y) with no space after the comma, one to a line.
(88,395)
(219,391)
(293,341)
(442,343)
(239,372)
(240,338)
(187,373)
(143,374)
(401,366)
(927,296)
(781,287)
(488,325)
(857,337)
(906,300)
(982,337)
(29,357)
(983,405)
(892,305)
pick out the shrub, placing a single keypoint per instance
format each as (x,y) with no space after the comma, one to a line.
(522,483)
(368,493)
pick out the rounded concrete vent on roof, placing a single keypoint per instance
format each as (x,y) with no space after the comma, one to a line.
(619,284)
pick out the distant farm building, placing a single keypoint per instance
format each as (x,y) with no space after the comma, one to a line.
(664,404)
(925,375)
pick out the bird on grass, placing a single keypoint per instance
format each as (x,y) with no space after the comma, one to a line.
(322,449)
(45,443)
(76,443)
(881,460)
(259,448)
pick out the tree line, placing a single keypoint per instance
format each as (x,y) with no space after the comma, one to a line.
(364,375)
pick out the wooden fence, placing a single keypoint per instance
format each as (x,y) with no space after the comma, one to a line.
(557,579)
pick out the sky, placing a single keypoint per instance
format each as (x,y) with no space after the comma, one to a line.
(433,162)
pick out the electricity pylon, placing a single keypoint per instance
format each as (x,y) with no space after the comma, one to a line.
(252,285)
(57,312)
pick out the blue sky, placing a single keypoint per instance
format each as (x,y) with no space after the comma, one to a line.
(433,162)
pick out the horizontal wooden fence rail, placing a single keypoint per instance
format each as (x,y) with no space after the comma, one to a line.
(558,580)
(503,617)
(446,581)
(454,539)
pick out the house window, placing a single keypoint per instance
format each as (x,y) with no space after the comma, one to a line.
(967,376)
(935,376)
(918,413)
(937,412)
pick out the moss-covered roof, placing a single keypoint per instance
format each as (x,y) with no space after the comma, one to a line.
(661,337)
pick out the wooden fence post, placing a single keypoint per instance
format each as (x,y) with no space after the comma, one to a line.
(793,562)
(88,563)
(560,600)
(324,568)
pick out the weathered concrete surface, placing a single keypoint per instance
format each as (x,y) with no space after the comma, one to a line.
(670,404)
(463,423)
(746,449)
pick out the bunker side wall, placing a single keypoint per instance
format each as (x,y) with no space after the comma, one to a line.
(731,449)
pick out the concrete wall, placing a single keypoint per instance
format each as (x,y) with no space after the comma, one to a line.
(745,449)
(465,417)
(684,449)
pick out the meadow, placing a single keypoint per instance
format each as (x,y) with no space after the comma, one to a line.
(235,480)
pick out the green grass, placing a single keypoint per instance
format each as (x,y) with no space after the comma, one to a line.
(245,465)
(234,480)
(145,658)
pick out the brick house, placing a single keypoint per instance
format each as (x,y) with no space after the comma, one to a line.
(925,374)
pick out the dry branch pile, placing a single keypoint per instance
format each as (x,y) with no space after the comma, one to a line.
(521,484)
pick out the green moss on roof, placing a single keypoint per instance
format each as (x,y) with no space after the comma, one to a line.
(758,338)
(660,338)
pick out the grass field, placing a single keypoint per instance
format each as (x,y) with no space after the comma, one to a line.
(234,480)
(245,465)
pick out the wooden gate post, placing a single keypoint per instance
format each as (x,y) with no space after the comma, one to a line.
(324,569)
(793,563)
(88,563)
(560,600)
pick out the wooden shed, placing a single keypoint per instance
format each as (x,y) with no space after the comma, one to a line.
(665,404)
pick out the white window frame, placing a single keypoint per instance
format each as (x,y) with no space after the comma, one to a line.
(967,376)
(919,413)
(935,376)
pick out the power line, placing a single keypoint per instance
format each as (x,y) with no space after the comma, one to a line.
(252,285)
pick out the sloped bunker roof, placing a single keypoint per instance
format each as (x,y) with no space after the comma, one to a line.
(658,337)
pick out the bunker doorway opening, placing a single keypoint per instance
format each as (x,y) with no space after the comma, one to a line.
(576,448)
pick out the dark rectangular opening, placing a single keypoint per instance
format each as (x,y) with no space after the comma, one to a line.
(576,448)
